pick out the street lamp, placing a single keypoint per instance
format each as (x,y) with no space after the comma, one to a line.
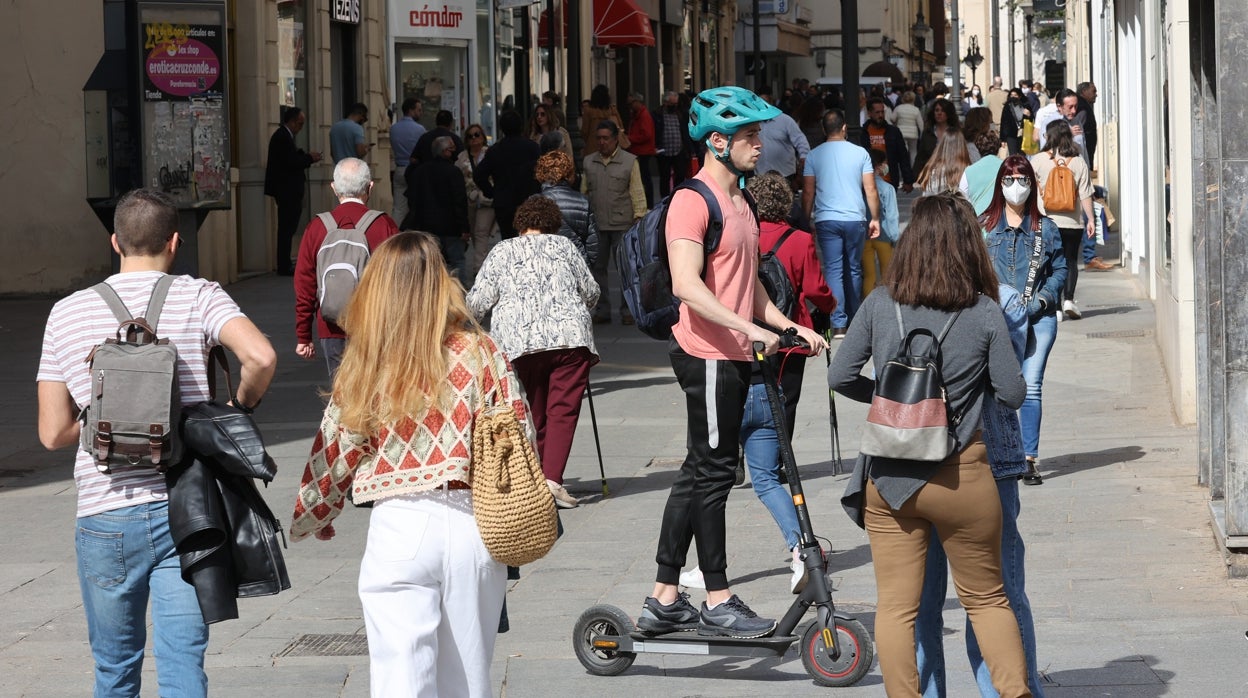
(919,33)
(973,58)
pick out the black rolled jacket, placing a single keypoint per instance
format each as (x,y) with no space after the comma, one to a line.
(225,533)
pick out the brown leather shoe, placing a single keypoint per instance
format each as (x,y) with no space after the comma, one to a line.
(1098,264)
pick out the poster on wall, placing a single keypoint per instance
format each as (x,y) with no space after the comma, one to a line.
(185,118)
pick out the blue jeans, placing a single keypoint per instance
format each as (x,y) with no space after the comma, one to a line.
(333,348)
(1089,249)
(453,251)
(928,625)
(1040,337)
(762,456)
(840,245)
(125,557)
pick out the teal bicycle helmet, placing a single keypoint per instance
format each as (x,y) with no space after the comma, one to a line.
(726,110)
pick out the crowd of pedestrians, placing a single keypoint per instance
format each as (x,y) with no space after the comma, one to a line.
(512,270)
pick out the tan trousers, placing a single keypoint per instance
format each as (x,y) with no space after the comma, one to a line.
(481,221)
(962,502)
(882,250)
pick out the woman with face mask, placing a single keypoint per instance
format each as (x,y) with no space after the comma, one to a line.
(1026,250)
(1016,111)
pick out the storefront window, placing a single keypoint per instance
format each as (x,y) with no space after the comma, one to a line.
(505,51)
(292,55)
(485,64)
(435,75)
(686,52)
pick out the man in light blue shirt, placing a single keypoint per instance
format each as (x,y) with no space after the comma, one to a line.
(404,135)
(838,193)
(346,138)
(784,145)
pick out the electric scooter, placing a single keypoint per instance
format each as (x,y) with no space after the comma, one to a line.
(836,649)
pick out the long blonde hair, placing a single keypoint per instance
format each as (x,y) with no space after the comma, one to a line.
(405,308)
(949,160)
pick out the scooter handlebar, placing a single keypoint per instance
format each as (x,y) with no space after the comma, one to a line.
(789,339)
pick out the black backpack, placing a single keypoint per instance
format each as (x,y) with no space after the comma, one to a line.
(642,261)
(775,278)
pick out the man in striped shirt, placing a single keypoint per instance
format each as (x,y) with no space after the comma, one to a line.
(126,554)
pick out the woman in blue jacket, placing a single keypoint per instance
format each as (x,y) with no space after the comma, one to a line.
(1026,251)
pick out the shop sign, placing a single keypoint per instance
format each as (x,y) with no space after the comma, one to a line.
(346,11)
(443,20)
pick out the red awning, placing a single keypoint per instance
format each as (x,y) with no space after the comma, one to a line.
(621,23)
(616,23)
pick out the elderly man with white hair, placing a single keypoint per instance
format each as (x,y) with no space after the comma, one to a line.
(353,182)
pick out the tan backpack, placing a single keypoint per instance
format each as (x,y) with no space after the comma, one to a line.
(1060,193)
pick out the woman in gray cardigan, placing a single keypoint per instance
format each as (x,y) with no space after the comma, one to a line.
(941,267)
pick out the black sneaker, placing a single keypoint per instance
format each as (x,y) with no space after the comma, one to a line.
(1032,476)
(733,618)
(657,619)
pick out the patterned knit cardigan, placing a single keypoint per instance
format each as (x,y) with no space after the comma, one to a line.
(419,453)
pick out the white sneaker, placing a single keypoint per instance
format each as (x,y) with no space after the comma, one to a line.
(801,575)
(1070,311)
(692,579)
(563,500)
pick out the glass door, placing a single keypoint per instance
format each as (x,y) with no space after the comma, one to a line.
(436,75)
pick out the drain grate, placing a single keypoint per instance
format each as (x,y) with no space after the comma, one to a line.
(334,645)
(1118,334)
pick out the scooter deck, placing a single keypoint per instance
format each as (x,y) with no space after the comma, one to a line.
(691,642)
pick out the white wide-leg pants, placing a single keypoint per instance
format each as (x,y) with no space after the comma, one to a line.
(432,596)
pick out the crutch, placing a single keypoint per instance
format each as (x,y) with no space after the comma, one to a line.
(837,465)
(593,420)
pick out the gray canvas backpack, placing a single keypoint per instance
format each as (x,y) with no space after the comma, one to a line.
(135,410)
(340,262)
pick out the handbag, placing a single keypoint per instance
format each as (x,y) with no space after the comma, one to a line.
(909,416)
(511,501)
(1030,145)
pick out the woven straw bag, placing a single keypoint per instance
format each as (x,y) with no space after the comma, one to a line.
(513,505)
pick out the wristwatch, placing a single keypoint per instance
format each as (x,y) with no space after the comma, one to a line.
(244,408)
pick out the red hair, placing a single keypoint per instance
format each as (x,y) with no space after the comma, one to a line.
(1013,165)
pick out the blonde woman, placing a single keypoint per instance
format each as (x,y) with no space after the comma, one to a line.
(397,433)
(944,169)
(480,206)
(545,120)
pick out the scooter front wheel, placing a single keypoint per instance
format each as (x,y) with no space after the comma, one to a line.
(600,621)
(853,662)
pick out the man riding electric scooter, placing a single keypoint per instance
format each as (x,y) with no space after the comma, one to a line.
(710,352)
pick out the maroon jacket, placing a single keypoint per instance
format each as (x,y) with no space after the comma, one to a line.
(346,214)
(797,255)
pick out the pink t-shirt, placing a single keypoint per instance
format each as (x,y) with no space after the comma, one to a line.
(730,273)
(194,313)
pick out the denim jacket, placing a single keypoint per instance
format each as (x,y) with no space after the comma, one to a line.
(1002,434)
(1010,250)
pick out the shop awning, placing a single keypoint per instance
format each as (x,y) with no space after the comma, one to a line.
(621,23)
(616,23)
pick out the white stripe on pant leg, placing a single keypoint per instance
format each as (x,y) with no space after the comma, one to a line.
(710,393)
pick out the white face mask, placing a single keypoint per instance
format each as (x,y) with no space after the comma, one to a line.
(1016,193)
(884,170)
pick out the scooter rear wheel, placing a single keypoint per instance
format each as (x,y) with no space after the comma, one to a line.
(856,654)
(602,620)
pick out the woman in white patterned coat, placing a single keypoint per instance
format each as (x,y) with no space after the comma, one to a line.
(539,292)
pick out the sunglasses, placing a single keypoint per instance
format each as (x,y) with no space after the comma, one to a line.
(1011,179)
(476,134)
